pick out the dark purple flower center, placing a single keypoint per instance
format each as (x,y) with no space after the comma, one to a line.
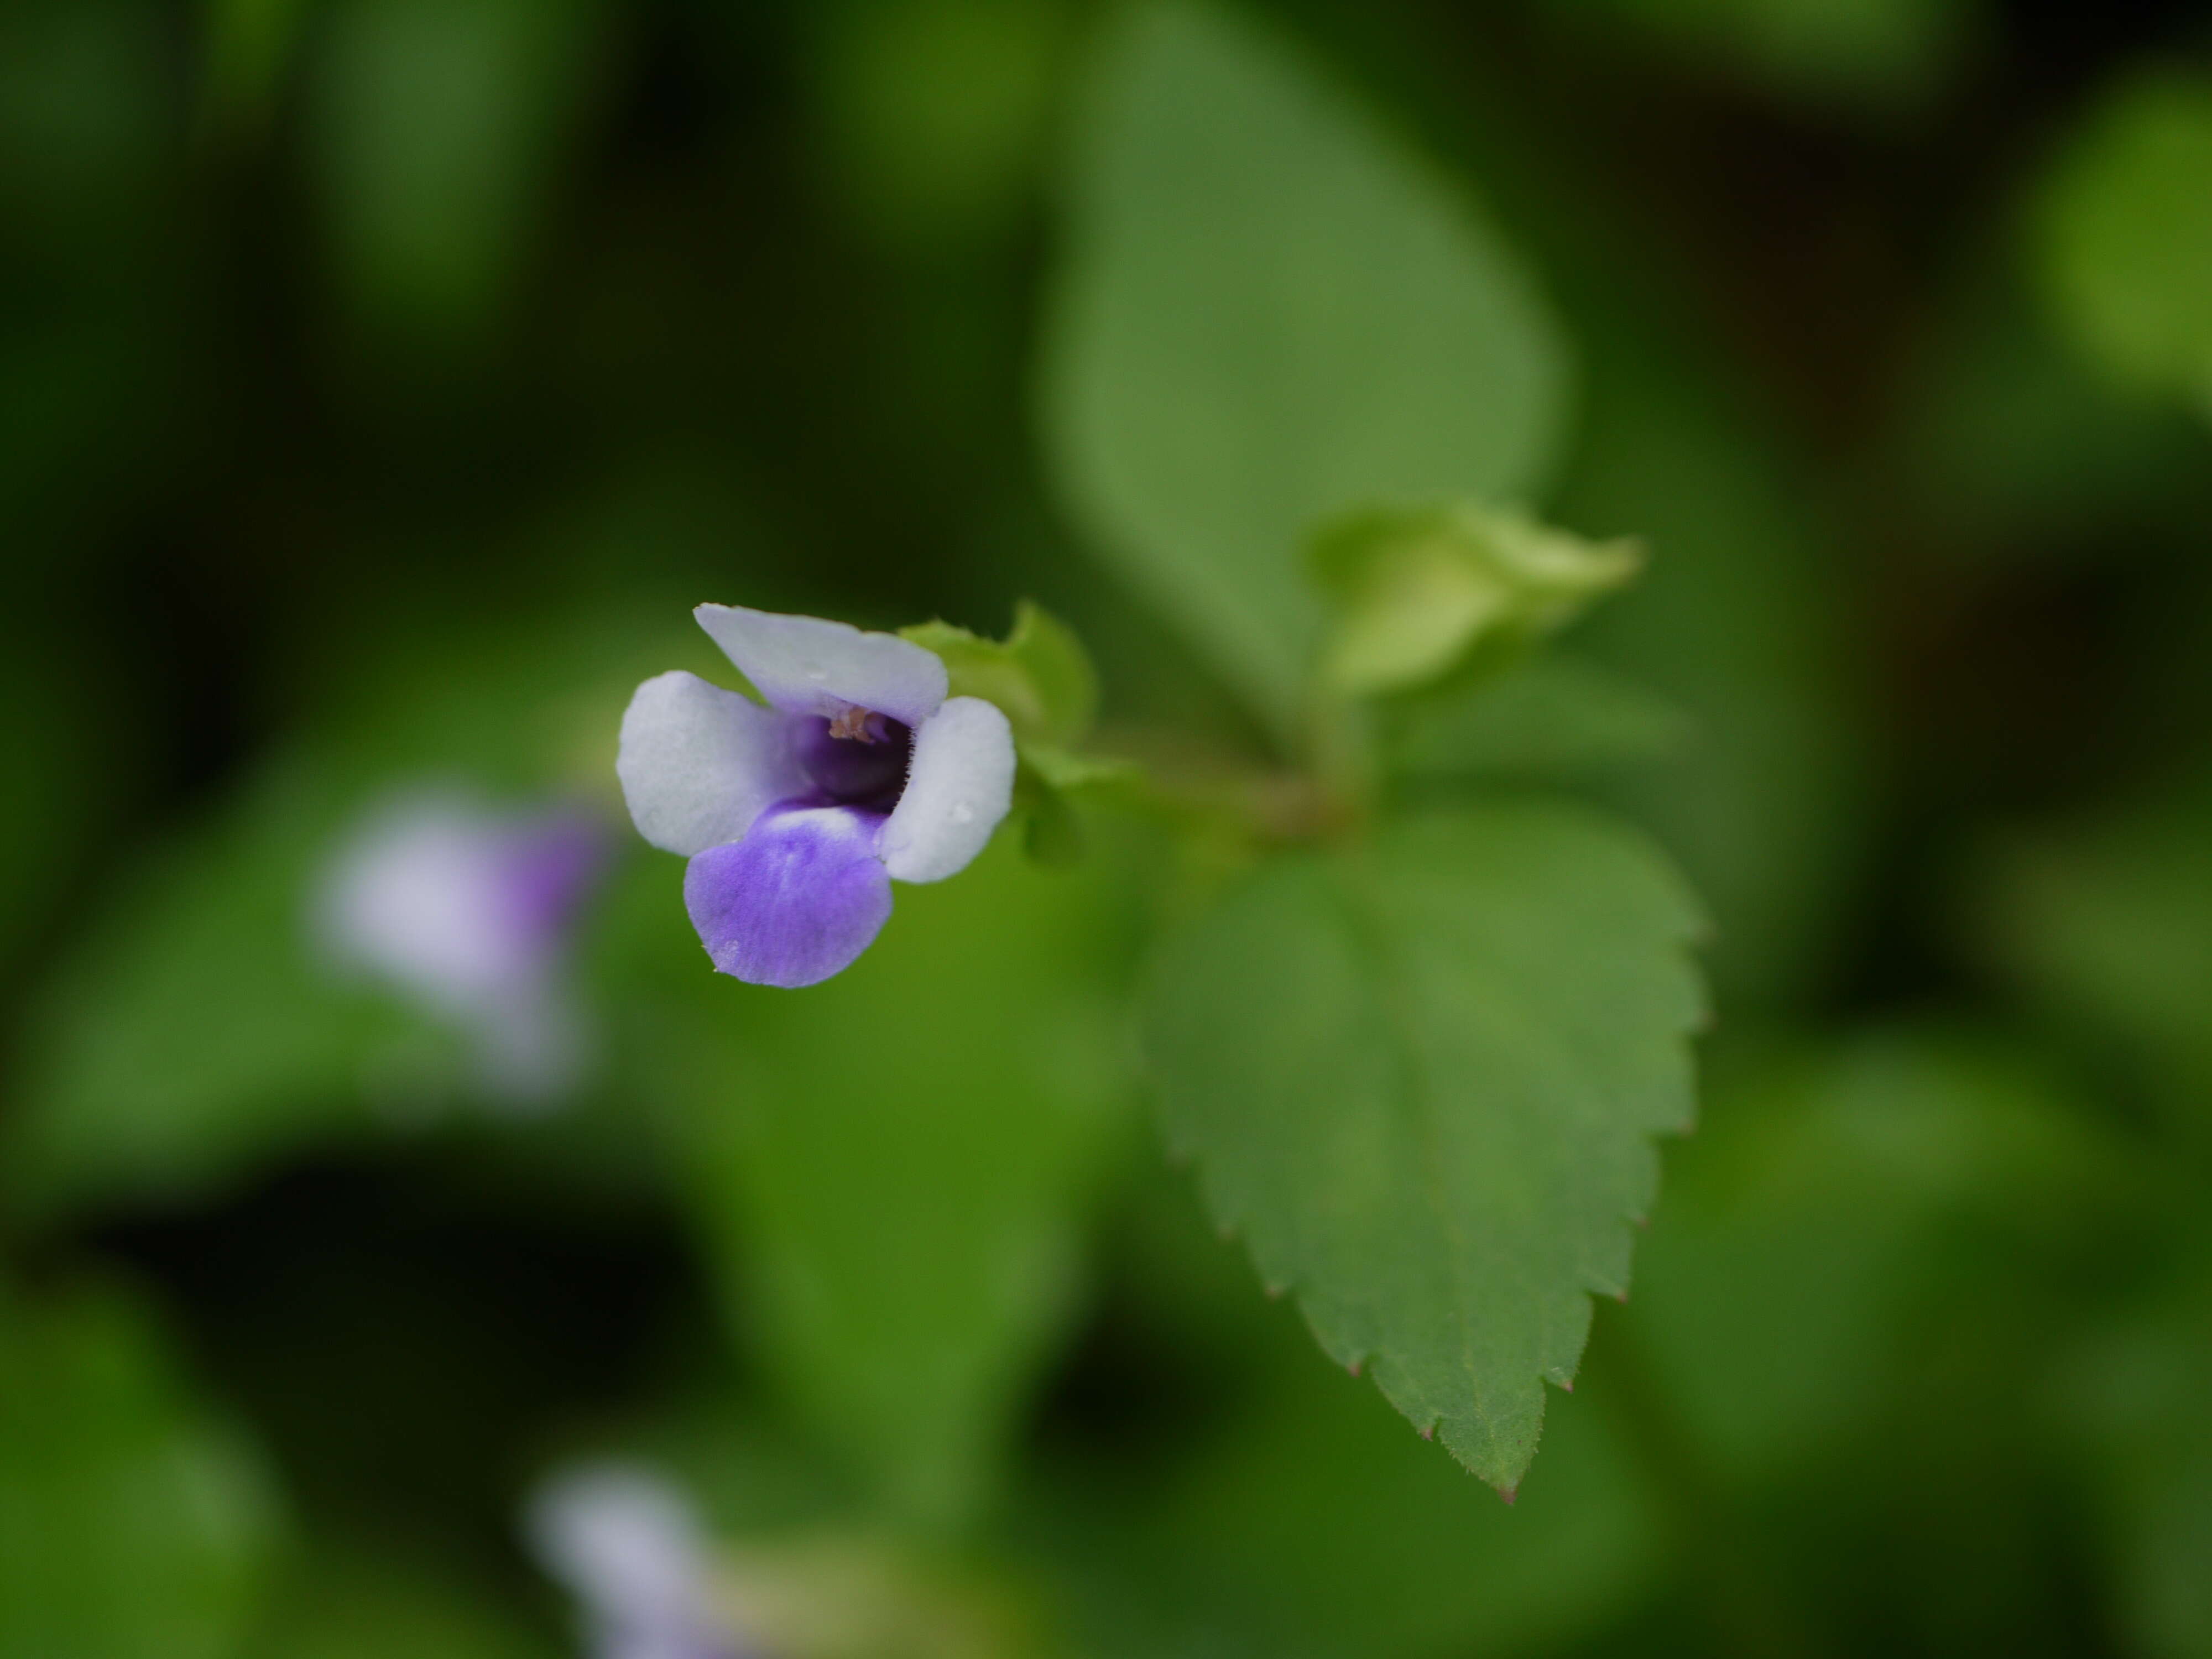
(859,759)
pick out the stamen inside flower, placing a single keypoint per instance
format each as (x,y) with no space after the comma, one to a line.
(859,725)
(857,759)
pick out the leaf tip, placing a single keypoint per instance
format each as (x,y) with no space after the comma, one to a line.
(1508,1493)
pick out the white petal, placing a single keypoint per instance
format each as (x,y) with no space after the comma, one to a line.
(698,764)
(961,784)
(627,1543)
(805,666)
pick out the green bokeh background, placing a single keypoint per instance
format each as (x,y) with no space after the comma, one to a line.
(381,381)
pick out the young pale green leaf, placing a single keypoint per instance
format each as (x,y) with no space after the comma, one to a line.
(1421,1077)
(136,1527)
(1039,675)
(1418,591)
(2126,231)
(1269,312)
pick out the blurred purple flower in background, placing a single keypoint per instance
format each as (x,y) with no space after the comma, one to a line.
(469,911)
(797,816)
(627,1545)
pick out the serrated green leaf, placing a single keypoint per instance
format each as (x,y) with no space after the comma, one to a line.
(1270,311)
(133,1525)
(1554,718)
(1418,591)
(892,1169)
(2126,235)
(1307,1521)
(1039,675)
(1422,1078)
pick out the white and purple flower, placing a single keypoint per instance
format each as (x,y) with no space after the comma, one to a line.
(628,1546)
(469,911)
(798,816)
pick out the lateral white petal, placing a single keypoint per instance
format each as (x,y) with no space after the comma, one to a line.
(960,786)
(698,764)
(805,666)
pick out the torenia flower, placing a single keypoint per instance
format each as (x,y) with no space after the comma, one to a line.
(469,910)
(628,1546)
(797,817)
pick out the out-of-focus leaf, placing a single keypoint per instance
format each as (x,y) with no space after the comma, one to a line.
(189,1036)
(1737,618)
(249,45)
(892,1169)
(133,1525)
(2110,928)
(2126,233)
(2139,1392)
(1838,1228)
(438,124)
(1557,717)
(1422,1079)
(1270,311)
(68,746)
(84,109)
(1867,53)
(344,1604)
(1421,591)
(2014,445)
(936,111)
(196,1029)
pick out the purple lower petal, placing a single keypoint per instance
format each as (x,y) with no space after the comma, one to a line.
(794,902)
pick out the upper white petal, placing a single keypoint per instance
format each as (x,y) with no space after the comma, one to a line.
(805,666)
(699,764)
(960,785)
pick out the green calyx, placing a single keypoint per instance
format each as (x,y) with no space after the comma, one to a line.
(1041,677)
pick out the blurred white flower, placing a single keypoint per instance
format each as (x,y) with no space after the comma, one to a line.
(469,911)
(628,1546)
